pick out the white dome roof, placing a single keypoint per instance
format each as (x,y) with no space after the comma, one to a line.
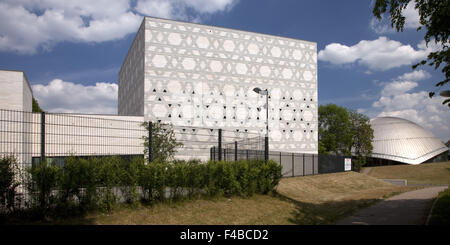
(403,141)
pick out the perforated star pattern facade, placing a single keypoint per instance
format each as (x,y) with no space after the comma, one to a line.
(203,76)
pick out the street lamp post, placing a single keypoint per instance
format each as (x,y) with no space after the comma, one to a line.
(266,139)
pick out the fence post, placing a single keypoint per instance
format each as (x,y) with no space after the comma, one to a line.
(303,164)
(312,155)
(42,136)
(150,141)
(235,151)
(280,158)
(220,144)
(247,153)
(292,164)
(266,148)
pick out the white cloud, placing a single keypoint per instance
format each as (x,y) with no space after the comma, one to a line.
(398,87)
(62,96)
(27,26)
(157,8)
(178,9)
(382,26)
(412,18)
(380,54)
(412,21)
(416,75)
(398,99)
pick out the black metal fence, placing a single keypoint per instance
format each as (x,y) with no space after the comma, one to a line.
(31,137)
(293,164)
(332,163)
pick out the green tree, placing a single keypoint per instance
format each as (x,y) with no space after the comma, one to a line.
(164,143)
(36,107)
(334,130)
(362,136)
(435,17)
(343,131)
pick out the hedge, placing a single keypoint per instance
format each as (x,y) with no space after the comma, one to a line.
(99,183)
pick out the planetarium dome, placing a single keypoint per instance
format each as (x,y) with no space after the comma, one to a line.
(403,141)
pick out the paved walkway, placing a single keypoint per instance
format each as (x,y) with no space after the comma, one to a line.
(409,208)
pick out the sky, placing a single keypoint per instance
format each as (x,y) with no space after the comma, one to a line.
(71,51)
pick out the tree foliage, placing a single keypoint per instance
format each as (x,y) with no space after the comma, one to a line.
(435,17)
(334,130)
(346,132)
(362,136)
(164,143)
(36,107)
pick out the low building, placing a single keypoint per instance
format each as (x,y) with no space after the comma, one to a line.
(399,141)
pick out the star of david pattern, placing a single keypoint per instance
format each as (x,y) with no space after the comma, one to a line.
(203,76)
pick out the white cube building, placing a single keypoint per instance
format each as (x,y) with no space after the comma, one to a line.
(203,76)
(15,92)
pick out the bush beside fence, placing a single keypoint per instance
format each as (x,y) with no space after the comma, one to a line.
(99,183)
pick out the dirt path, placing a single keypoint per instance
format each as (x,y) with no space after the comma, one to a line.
(409,208)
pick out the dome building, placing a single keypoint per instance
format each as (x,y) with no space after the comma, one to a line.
(398,140)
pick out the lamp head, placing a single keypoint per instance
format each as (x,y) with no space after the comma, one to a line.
(260,91)
(445,93)
(257,90)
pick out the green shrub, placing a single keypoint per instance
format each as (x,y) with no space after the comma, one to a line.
(176,178)
(211,182)
(153,181)
(8,182)
(71,180)
(246,176)
(268,177)
(226,179)
(109,176)
(130,173)
(195,178)
(44,179)
(90,181)
(88,184)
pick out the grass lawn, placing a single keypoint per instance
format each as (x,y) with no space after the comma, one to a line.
(319,199)
(324,199)
(441,210)
(428,173)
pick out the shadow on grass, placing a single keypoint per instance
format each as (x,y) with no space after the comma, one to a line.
(35,217)
(68,217)
(327,213)
(389,212)
(24,218)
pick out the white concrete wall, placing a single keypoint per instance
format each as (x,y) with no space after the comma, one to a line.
(131,79)
(85,135)
(15,92)
(27,95)
(15,129)
(203,76)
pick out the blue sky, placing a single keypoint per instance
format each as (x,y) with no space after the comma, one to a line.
(72,51)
